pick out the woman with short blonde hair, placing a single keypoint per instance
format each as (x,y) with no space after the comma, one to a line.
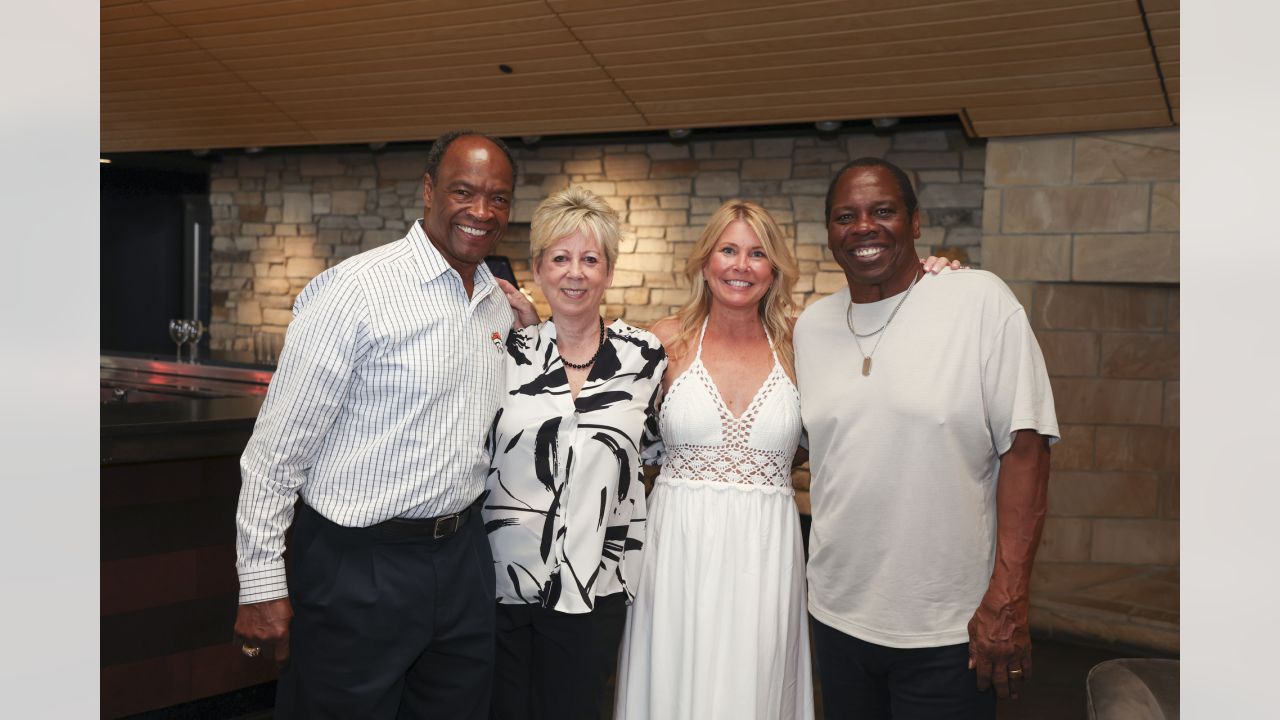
(573,210)
(564,505)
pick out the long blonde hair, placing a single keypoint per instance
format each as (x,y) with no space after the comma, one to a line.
(776,307)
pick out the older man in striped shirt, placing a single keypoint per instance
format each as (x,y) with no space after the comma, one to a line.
(375,423)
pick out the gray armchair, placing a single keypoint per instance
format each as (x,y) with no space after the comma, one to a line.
(1133,689)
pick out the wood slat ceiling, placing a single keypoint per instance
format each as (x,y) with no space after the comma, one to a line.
(191,74)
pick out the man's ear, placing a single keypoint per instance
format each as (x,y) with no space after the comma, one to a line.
(427,187)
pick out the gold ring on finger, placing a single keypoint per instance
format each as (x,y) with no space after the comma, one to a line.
(250,650)
(1015,673)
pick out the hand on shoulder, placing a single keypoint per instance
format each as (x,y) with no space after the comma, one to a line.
(934,264)
(526,314)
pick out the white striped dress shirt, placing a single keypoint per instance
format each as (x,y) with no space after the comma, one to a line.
(383,395)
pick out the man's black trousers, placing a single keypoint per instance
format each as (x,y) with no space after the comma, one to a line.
(865,681)
(386,626)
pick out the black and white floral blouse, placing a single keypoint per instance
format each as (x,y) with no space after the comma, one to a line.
(565,506)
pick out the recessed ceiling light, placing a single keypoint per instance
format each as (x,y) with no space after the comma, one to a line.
(827,125)
(679,133)
(104,161)
(884,122)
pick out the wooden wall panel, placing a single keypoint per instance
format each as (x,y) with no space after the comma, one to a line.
(423,106)
(1008,104)
(424,30)
(207,11)
(642,22)
(1074,124)
(338,77)
(852,32)
(820,49)
(1123,51)
(168,584)
(1164,18)
(958,80)
(444,55)
(332,12)
(461,90)
(311,71)
(154,53)
(123,10)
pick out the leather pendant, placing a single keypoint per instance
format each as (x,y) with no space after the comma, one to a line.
(866,366)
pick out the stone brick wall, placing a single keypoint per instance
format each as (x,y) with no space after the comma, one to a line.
(1099,207)
(280,219)
(1085,229)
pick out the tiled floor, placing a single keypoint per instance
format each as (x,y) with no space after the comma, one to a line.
(1056,693)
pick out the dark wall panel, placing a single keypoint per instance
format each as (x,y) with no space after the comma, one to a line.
(145,227)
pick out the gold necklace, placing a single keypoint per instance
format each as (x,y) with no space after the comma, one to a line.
(848,316)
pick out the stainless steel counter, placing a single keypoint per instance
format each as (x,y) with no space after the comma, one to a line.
(153,410)
(126,379)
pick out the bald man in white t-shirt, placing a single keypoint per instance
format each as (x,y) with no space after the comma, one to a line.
(927,506)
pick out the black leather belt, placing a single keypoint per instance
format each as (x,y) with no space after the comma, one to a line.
(436,528)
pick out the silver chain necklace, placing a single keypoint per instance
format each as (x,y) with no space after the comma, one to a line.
(848,316)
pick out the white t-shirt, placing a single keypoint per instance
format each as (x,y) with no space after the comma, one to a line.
(905,460)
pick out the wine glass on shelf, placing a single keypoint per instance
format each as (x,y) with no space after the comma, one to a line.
(178,334)
(196,330)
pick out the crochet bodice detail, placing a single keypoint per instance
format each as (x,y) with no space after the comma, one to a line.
(705,442)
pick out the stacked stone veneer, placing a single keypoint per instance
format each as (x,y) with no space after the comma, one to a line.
(281,219)
(1085,229)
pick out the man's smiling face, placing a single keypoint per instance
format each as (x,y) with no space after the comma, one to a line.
(468,203)
(870,231)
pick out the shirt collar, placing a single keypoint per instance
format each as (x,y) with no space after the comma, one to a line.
(431,264)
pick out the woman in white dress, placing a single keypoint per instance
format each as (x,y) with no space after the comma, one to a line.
(719,628)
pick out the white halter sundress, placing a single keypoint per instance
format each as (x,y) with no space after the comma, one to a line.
(719,627)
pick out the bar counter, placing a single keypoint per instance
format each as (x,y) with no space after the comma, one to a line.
(171,439)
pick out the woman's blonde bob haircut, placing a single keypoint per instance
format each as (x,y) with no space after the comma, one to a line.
(776,307)
(570,211)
